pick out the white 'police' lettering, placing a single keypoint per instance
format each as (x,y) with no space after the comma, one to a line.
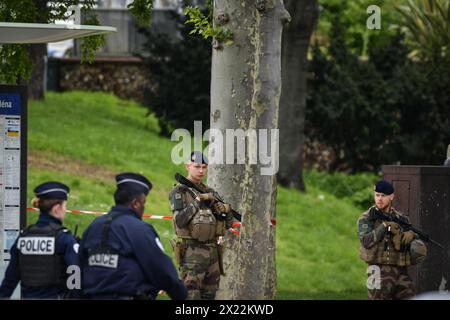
(36,245)
(106,260)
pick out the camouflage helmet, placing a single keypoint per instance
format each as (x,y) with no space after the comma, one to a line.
(418,251)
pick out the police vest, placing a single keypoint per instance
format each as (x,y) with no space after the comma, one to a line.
(203,226)
(39,264)
(104,255)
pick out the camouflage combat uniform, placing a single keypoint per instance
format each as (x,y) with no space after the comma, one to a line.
(198,228)
(377,249)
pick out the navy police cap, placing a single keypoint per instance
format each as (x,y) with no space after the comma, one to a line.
(385,187)
(198,157)
(52,190)
(133,182)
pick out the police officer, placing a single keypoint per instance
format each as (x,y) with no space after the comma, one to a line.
(43,251)
(121,256)
(388,249)
(199,221)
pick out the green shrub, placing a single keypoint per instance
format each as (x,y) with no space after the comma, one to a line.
(363,198)
(356,188)
(386,110)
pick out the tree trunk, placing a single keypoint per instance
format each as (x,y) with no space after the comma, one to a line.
(36,85)
(294,61)
(38,55)
(245,93)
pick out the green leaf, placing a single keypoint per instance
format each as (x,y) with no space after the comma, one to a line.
(142,11)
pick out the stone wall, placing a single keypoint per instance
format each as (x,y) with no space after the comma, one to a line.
(123,76)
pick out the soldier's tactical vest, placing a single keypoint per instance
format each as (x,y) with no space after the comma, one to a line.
(39,264)
(203,226)
(384,252)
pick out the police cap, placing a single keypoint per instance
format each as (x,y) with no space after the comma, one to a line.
(133,182)
(198,157)
(385,187)
(52,190)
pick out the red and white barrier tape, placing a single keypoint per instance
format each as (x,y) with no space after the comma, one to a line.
(147,216)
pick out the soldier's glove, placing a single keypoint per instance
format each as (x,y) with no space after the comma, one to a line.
(222,207)
(221,210)
(397,240)
(407,237)
(392,227)
(206,197)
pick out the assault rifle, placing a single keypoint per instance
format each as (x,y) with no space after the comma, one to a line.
(192,185)
(375,214)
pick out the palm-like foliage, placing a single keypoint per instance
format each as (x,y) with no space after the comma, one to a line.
(428,27)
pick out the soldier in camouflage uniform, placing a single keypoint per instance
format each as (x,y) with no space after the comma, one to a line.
(388,249)
(199,221)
